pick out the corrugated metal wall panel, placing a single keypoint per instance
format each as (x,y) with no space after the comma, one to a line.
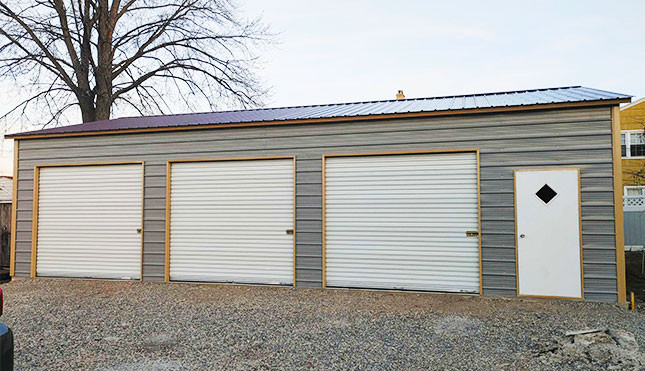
(554,123)
(556,130)
(229,219)
(88,218)
(514,143)
(400,222)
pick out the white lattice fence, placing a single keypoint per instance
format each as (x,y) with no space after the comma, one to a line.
(634,203)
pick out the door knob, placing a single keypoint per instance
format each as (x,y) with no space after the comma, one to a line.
(522,236)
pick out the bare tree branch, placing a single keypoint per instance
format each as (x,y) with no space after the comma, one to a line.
(6,11)
(146,56)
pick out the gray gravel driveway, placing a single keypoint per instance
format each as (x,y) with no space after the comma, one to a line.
(111,325)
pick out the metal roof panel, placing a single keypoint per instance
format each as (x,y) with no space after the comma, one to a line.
(341,110)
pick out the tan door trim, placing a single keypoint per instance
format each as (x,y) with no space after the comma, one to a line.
(34,225)
(618,205)
(517,272)
(14,209)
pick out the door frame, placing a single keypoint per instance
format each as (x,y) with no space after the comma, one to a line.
(517,271)
(394,153)
(169,164)
(36,193)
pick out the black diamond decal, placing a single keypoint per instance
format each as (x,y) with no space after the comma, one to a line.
(546,193)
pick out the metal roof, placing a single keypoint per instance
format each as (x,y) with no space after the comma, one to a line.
(354,110)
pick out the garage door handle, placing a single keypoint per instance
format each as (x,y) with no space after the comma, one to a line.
(472,233)
(289,231)
(138,230)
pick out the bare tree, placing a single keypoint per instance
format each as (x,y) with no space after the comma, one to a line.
(148,55)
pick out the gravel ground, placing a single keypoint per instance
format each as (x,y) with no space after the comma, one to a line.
(111,325)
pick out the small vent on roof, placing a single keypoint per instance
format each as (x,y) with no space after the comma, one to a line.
(400,95)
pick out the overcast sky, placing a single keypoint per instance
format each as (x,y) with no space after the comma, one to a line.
(336,51)
(340,51)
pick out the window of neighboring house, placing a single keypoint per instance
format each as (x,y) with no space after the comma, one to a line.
(634,191)
(632,144)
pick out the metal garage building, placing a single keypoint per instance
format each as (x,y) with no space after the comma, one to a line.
(513,193)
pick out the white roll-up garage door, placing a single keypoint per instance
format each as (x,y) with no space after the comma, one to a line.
(232,221)
(400,222)
(88,221)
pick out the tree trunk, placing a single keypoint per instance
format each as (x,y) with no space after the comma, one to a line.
(84,92)
(88,112)
(104,65)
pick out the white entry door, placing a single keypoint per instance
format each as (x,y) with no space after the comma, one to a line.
(232,221)
(549,260)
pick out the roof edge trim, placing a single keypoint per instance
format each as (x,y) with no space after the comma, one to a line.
(595,103)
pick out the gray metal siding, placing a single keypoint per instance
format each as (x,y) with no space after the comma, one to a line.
(507,141)
(634,228)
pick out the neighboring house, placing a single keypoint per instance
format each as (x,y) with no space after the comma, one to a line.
(6,189)
(632,139)
(512,193)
